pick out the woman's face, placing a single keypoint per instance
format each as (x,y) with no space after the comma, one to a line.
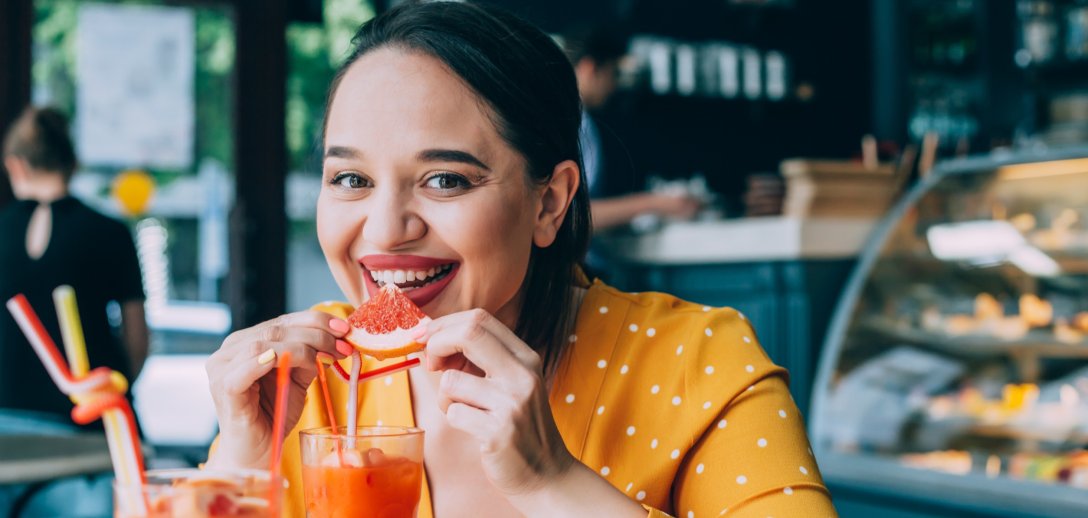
(420,190)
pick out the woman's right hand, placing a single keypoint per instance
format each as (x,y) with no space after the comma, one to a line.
(244,389)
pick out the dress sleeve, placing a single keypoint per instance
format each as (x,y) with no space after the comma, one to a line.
(752,457)
(754,461)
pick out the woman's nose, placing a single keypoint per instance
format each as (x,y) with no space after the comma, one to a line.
(392,222)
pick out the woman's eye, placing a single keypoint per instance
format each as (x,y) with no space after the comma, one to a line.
(348,181)
(448,182)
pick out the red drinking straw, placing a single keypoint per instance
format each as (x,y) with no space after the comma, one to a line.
(324,382)
(279,422)
(369,375)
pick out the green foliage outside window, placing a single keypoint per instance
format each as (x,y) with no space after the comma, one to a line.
(314,52)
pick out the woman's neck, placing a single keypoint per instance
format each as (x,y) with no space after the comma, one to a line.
(44,189)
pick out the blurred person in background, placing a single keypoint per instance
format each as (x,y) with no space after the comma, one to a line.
(596,52)
(48,239)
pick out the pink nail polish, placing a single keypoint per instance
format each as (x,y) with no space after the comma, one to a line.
(419,334)
(339,326)
(344,348)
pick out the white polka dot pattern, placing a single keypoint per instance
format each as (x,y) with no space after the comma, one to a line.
(688,363)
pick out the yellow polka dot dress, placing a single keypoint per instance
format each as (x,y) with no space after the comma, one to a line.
(674,403)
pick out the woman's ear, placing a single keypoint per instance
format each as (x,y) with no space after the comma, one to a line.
(555,199)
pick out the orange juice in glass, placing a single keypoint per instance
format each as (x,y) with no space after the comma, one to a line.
(377,472)
(195,493)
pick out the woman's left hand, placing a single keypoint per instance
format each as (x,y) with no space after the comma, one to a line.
(493,388)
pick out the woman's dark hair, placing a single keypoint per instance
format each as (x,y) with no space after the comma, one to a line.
(40,136)
(530,88)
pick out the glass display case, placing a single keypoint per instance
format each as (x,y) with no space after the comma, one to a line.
(954,379)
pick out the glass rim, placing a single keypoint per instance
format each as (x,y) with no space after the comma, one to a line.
(166,475)
(383,431)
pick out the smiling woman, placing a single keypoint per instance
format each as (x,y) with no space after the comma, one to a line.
(452,170)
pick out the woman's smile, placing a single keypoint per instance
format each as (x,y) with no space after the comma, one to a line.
(421,278)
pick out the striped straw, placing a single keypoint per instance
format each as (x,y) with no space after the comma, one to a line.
(98,393)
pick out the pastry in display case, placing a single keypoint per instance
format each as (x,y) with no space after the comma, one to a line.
(954,379)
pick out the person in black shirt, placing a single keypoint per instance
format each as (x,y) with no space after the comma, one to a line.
(47,239)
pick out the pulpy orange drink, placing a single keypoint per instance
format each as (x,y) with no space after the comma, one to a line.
(378,472)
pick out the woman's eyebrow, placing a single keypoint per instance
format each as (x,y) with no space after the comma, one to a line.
(342,152)
(427,155)
(451,155)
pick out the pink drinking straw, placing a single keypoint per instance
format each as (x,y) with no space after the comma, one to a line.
(353,398)
(279,423)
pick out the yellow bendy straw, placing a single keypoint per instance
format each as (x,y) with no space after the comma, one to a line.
(114,411)
(71,330)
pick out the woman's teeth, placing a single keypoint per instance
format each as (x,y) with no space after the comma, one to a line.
(409,278)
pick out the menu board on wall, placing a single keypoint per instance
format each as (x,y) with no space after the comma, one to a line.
(134,69)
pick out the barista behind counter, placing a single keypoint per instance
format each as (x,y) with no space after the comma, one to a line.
(615,190)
